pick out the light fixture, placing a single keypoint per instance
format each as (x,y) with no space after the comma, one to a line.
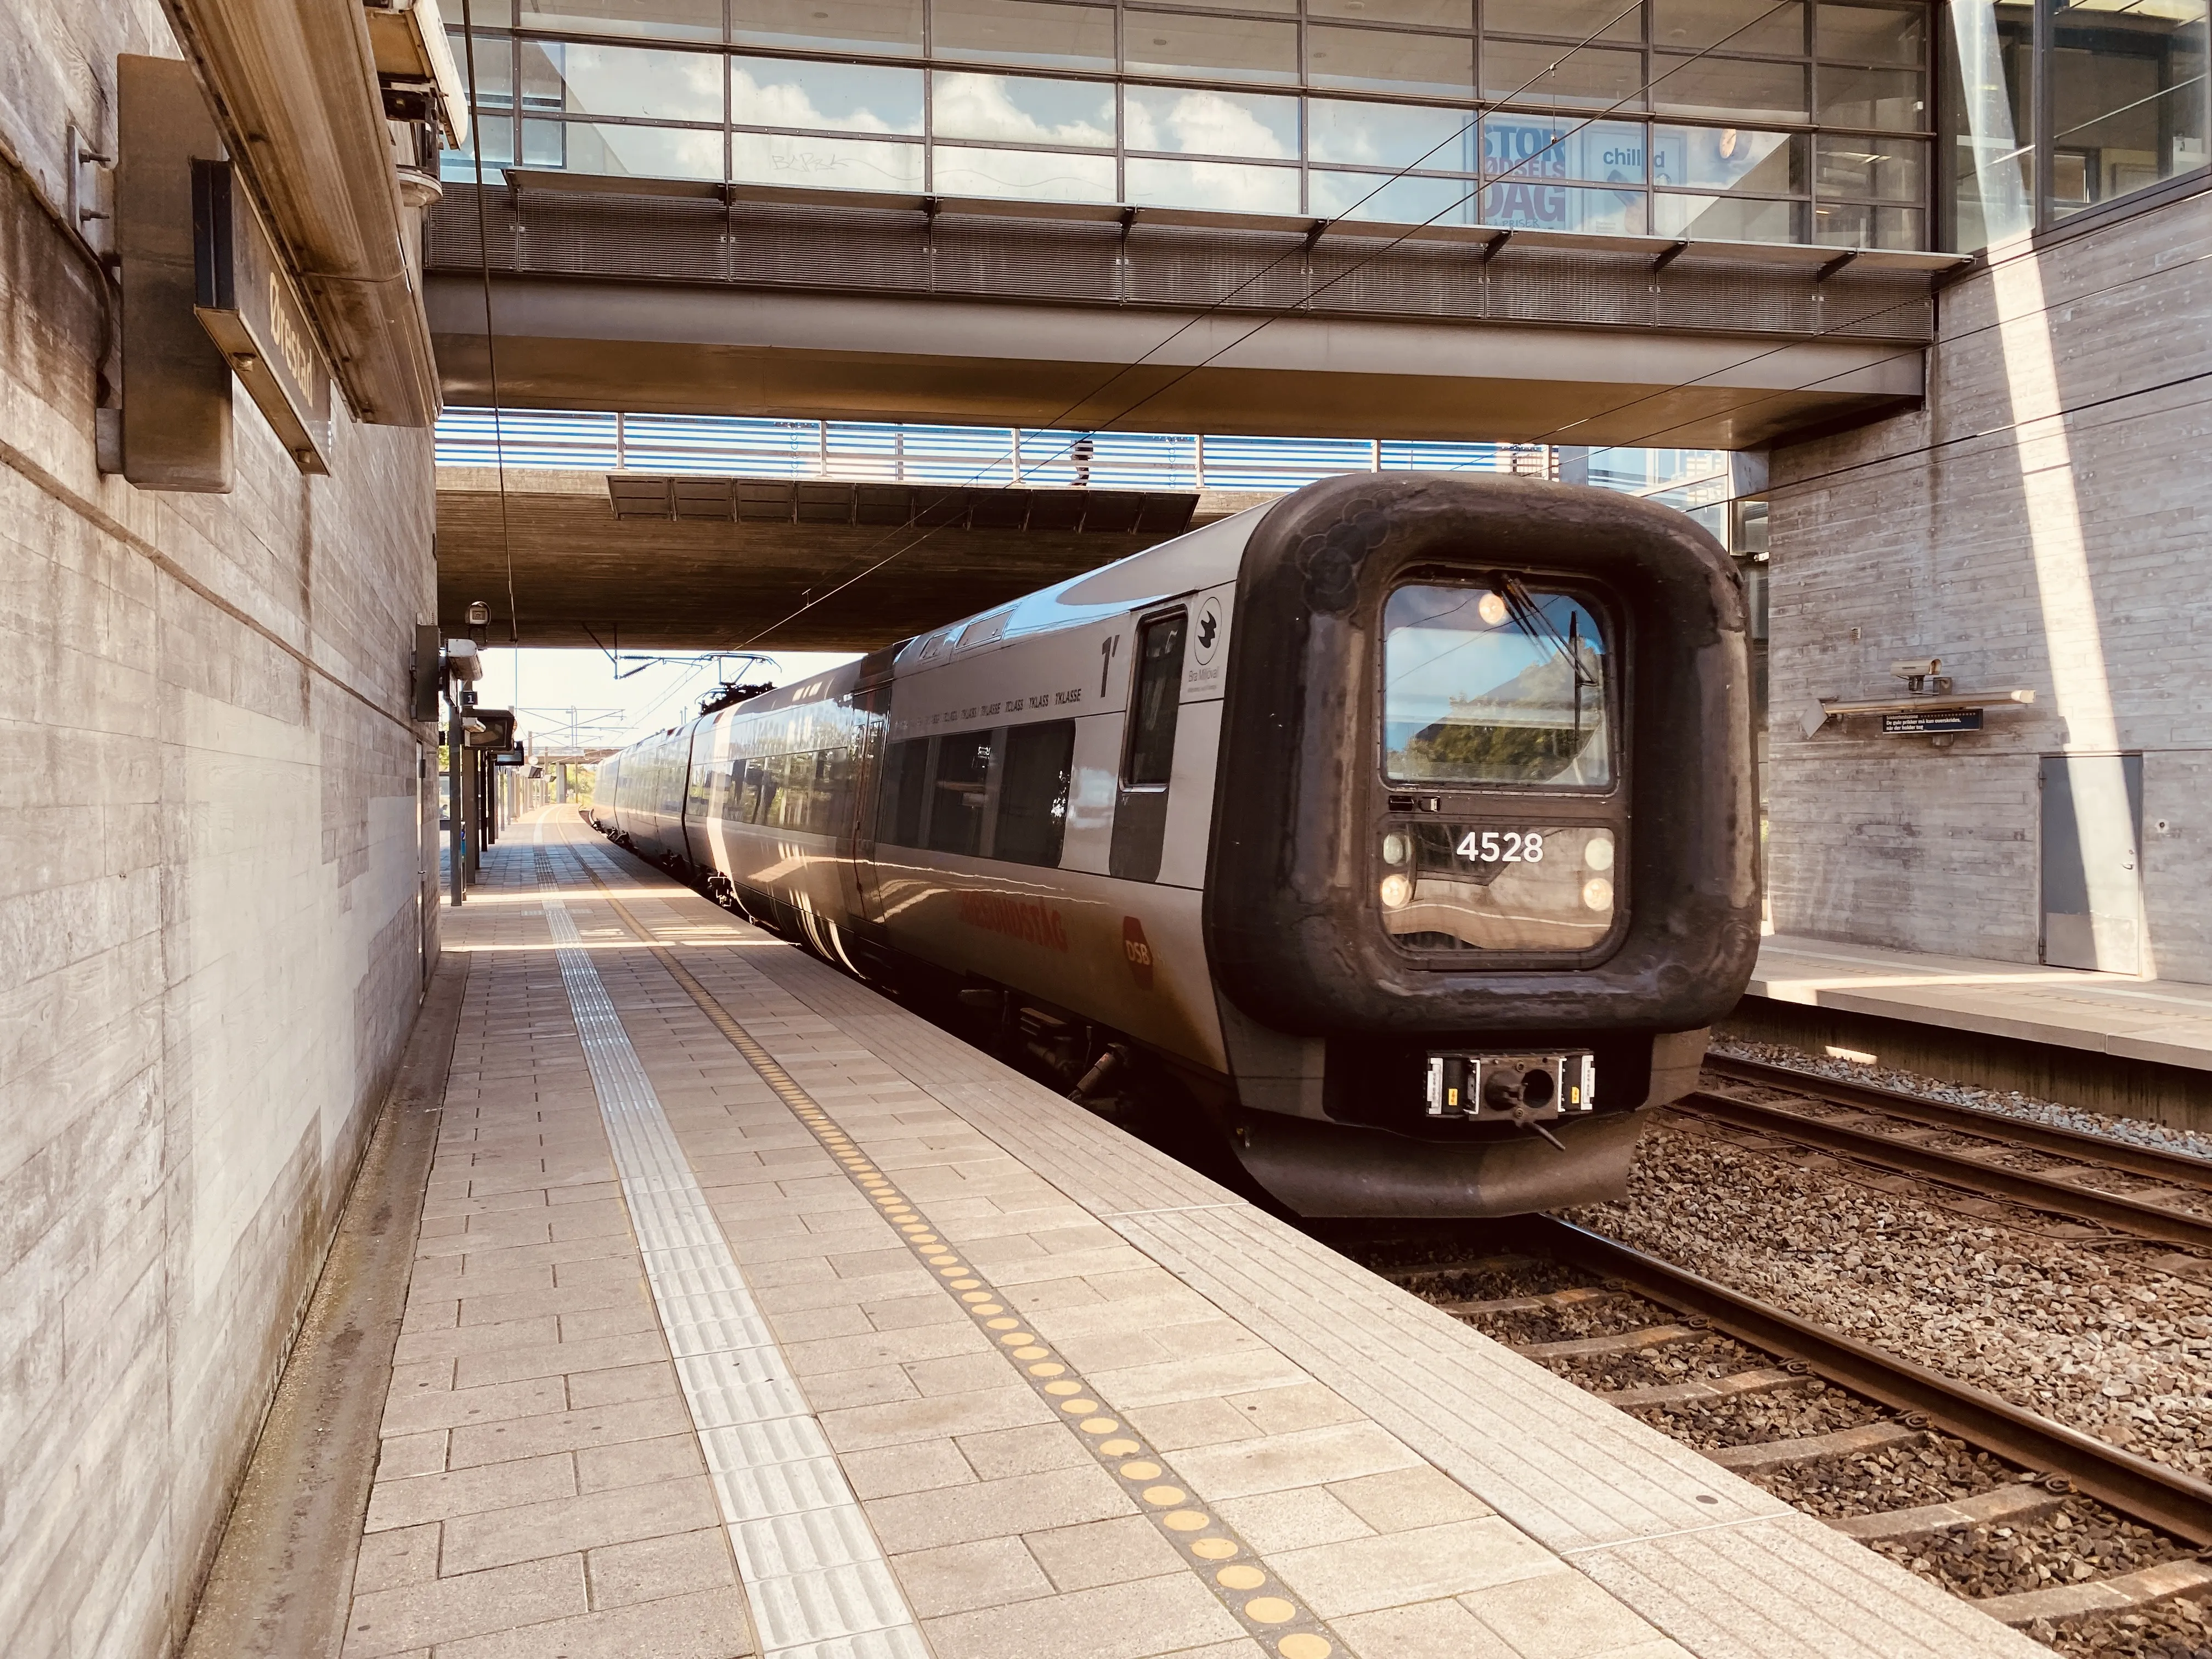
(1491,607)
(1396,891)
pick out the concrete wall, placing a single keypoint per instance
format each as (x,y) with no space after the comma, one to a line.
(211,908)
(2045,521)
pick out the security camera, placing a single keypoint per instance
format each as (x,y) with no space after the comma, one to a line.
(1920,668)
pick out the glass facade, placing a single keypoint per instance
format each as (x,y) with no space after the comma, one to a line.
(1764,120)
(2053,109)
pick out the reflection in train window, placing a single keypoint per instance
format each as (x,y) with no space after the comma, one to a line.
(963,779)
(1484,685)
(1158,694)
(1033,792)
(906,784)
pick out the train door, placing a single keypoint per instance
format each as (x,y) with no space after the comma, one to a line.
(856,840)
(2092,862)
(1140,809)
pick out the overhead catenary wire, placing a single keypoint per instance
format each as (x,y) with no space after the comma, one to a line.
(1280,312)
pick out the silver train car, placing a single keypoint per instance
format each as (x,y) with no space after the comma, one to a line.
(1404,828)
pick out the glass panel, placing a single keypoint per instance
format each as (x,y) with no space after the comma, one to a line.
(1033,792)
(1390,135)
(1857,224)
(1569,20)
(1874,34)
(1221,185)
(497,137)
(1991,156)
(1531,147)
(816,163)
(1871,169)
(1373,60)
(1024,32)
(1730,158)
(955,805)
(1896,99)
(1726,219)
(667,19)
(2127,97)
(622,152)
(1553,207)
(905,786)
(1249,123)
(892,26)
(1157,701)
(1018,111)
(1589,79)
(1026,173)
(1498,887)
(1729,26)
(1730,91)
(1225,48)
(1418,13)
(776,92)
(1391,201)
(655,86)
(495,67)
(1487,686)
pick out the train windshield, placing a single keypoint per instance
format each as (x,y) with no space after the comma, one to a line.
(1494,684)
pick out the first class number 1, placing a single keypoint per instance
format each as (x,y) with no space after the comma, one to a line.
(1502,847)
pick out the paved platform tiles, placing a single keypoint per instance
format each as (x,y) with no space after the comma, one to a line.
(2159,1020)
(1201,1435)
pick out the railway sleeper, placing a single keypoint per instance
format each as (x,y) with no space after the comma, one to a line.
(1650,1336)
(1766,1379)
(1999,1506)
(1805,1448)
(1574,1295)
(2114,1594)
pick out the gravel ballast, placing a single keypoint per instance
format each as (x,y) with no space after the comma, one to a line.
(2088,1336)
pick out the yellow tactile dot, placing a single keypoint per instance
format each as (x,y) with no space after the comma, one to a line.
(981,1308)
(1017,1339)
(1116,1447)
(1269,1610)
(942,1260)
(1213,1549)
(1075,1407)
(1034,1352)
(1305,1645)
(921,1232)
(967,1283)
(1185,1520)
(1002,1324)
(1140,1471)
(950,1273)
(1068,1388)
(977,1297)
(1240,1577)
(1165,1496)
(1049,1368)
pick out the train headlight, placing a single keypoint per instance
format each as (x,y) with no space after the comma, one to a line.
(1396,891)
(1396,848)
(1491,607)
(1597,853)
(1597,893)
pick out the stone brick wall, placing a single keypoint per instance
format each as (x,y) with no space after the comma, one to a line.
(211,905)
(2045,521)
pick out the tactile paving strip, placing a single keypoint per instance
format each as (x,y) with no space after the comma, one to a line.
(815,1577)
(1208,1545)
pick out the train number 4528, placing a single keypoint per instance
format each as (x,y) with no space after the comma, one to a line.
(1502,847)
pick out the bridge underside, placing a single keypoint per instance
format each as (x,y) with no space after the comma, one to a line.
(579,342)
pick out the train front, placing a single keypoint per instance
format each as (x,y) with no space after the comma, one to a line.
(1484,860)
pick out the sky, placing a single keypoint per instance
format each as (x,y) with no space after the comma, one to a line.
(544,685)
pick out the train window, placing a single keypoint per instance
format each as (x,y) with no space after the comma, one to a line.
(1494,685)
(1033,792)
(1158,698)
(955,808)
(906,786)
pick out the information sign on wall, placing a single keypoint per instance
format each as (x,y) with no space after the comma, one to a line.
(1935,721)
(249,307)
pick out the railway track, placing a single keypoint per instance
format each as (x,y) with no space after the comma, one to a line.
(2035,1475)
(2166,1195)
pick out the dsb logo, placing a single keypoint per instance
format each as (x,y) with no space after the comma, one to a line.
(1137,951)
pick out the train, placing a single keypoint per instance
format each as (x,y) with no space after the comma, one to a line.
(1402,831)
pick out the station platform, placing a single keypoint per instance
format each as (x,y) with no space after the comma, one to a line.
(2160,1021)
(752,1314)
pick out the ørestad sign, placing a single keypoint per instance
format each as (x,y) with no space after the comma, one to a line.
(250,309)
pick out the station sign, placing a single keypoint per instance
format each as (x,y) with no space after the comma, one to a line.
(249,306)
(1935,722)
